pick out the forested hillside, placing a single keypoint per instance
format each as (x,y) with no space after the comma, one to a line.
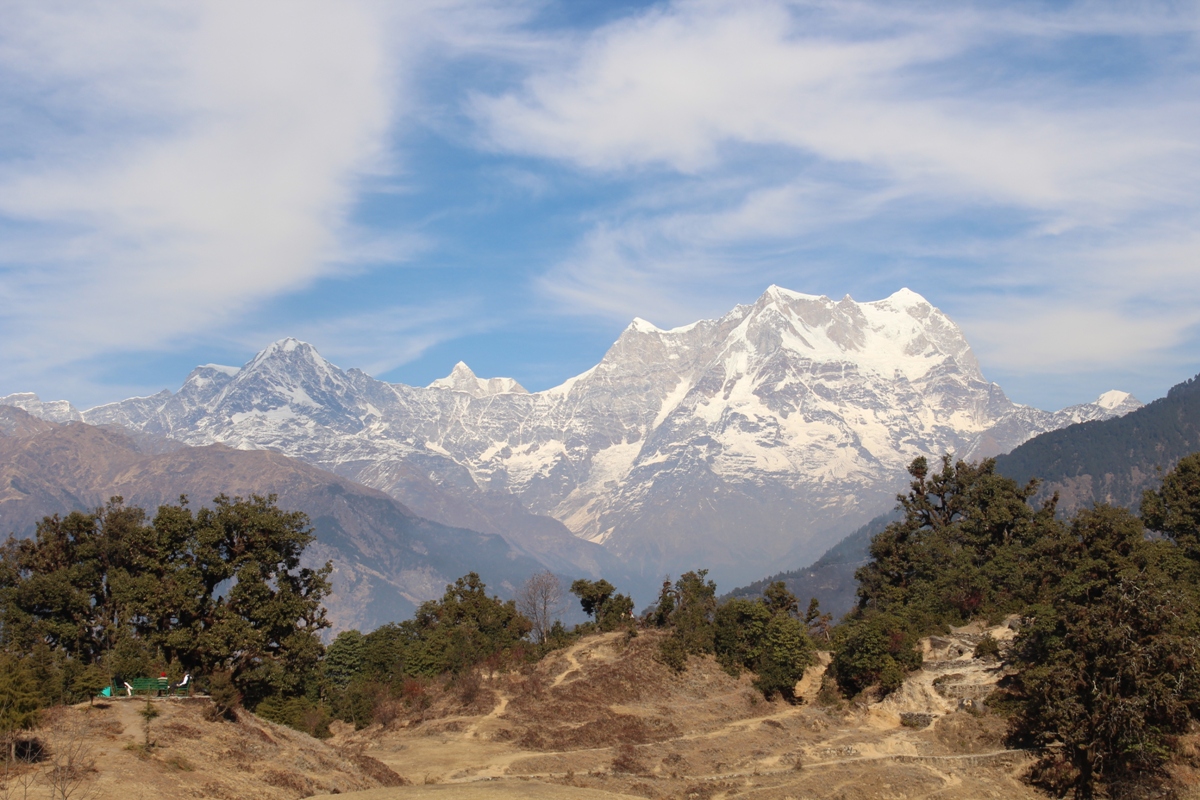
(1114,460)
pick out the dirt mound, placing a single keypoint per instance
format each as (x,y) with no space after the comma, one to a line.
(101,750)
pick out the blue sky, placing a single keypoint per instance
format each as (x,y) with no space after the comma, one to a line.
(508,183)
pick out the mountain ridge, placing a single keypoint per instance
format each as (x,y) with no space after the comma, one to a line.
(387,560)
(737,443)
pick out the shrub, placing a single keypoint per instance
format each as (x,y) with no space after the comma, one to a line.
(875,650)
(988,647)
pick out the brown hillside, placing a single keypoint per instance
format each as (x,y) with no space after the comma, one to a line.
(100,751)
(605,719)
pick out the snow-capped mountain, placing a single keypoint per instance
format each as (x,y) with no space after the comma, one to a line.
(746,444)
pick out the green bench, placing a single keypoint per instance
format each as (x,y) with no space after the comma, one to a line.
(149,687)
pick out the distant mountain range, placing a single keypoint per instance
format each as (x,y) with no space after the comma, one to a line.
(386,559)
(739,444)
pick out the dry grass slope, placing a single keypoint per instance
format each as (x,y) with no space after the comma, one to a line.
(190,756)
(605,719)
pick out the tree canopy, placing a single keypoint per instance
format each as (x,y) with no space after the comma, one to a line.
(218,589)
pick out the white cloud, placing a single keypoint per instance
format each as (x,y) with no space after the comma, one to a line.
(906,130)
(672,87)
(196,162)
(171,167)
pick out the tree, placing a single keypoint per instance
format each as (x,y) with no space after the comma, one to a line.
(786,653)
(1109,684)
(692,619)
(19,702)
(592,595)
(779,600)
(462,629)
(739,631)
(599,601)
(221,589)
(820,626)
(1107,668)
(344,658)
(875,649)
(540,600)
(764,636)
(1174,509)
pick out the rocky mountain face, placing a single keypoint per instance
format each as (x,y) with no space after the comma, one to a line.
(743,444)
(386,559)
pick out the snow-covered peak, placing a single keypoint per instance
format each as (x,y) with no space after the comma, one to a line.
(903,298)
(51,410)
(901,333)
(640,325)
(775,292)
(1112,403)
(287,349)
(221,368)
(1114,399)
(462,379)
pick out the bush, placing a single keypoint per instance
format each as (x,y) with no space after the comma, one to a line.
(988,647)
(875,651)
(226,699)
(786,653)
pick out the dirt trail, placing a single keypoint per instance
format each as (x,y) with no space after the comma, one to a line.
(591,647)
(502,700)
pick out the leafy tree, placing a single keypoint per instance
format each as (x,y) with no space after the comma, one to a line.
(875,649)
(964,548)
(616,613)
(1174,509)
(786,653)
(820,626)
(1107,667)
(19,701)
(592,595)
(766,637)
(692,619)
(739,632)
(344,658)
(221,589)
(462,629)
(779,600)
(600,601)
(1111,682)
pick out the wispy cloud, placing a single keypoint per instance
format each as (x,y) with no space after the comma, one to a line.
(177,175)
(166,169)
(209,161)
(892,131)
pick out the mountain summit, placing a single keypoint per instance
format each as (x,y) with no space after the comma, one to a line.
(462,379)
(743,443)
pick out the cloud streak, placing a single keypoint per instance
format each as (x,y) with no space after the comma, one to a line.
(891,133)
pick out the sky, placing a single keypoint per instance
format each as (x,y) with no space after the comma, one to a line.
(407,185)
